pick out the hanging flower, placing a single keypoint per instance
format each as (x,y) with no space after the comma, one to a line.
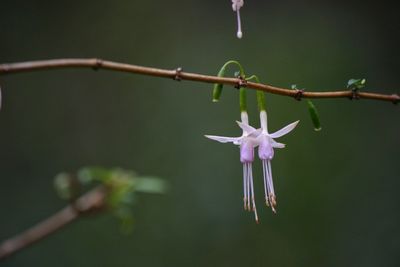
(236,5)
(247,142)
(266,147)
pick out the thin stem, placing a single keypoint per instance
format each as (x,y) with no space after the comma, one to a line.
(92,201)
(243,99)
(174,74)
(241,69)
(260,95)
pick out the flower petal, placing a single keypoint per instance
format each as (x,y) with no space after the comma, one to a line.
(222,139)
(247,151)
(256,133)
(246,128)
(284,130)
(277,145)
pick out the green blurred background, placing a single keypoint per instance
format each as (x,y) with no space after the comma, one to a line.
(338,190)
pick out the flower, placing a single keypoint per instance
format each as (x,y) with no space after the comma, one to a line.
(250,139)
(247,142)
(236,5)
(266,147)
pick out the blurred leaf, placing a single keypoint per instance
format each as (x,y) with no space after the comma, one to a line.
(122,187)
(62,186)
(66,186)
(125,215)
(151,185)
(90,174)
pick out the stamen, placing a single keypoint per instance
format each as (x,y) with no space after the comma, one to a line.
(248,187)
(273,203)
(272,197)
(269,178)
(256,216)
(252,193)
(244,186)
(239,32)
(271,182)
(265,174)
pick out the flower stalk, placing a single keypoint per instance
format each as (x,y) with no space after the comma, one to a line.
(217,90)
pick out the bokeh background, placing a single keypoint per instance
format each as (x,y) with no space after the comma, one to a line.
(338,190)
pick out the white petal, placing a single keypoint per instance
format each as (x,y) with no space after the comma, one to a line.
(223,139)
(256,134)
(246,128)
(277,145)
(244,117)
(284,130)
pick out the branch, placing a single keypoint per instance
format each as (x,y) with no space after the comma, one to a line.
(178,74)
(90,202)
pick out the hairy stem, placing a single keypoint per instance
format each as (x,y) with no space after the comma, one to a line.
(180,75)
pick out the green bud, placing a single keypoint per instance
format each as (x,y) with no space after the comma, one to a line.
(217,90)
(314,116)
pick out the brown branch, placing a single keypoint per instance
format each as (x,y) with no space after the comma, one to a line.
(178,74)
(90,202)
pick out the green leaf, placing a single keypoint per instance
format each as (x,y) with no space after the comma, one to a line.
(314,116)
(122,184)
(90,174)
(121,187)
(356,84)
(151,185)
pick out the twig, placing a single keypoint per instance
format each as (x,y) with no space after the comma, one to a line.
(174,74)
(90,202)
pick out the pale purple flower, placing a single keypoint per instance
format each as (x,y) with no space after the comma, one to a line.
(236,5)
(247,142)
(266,147)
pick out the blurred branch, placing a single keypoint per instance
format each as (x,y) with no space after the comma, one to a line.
(178,75)
(92,201)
